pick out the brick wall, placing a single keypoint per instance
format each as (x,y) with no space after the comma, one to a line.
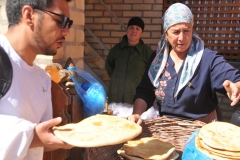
(73,46)
(3,17)
(110,32)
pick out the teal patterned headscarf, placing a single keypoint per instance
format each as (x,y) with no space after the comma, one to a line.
(176,13)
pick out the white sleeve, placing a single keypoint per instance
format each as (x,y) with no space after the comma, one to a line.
(15,137)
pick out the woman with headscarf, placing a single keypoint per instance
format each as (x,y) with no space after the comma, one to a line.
(183,76)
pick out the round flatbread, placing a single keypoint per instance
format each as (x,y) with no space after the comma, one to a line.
(221,135)
(210,153)
(149,148)
(99,130)
(222,153)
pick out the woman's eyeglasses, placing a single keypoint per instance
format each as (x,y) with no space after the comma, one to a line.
(66,21)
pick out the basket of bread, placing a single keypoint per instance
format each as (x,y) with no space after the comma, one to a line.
(216,140)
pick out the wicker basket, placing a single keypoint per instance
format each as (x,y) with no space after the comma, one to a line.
(172,130)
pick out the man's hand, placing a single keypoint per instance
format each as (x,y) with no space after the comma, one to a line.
(135,118)
(233,91)
(44,137)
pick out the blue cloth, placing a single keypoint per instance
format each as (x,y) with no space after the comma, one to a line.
(197,98)
(191,152)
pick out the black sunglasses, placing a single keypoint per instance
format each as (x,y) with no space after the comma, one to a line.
(65,20)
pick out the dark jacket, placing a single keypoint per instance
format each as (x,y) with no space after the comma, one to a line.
(125,66)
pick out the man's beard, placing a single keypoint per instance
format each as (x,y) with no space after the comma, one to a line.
(43,47)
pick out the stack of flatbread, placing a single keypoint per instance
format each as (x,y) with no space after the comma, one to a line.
(219,140)
(97,131)
(148,148)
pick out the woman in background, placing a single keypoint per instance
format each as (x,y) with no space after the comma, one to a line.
(126,63)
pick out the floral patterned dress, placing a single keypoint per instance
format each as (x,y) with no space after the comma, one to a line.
(168,82)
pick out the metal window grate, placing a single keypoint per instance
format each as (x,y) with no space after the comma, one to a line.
(218,23)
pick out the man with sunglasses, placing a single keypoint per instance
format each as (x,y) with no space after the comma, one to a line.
(35,27)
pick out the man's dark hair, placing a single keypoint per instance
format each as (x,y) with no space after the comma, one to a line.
(14,7)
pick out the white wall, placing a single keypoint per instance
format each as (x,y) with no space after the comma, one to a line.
(3,17)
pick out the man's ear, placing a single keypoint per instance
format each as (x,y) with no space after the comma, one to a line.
(28,15)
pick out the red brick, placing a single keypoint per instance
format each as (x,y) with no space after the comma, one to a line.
(152,28)
(145,34)
(88,6)
(142,7)
(94,14)
(118,34)
(99,7)
(88,20)
(90,40)
(151,41)
(159,1)
(152,14)
(102,20)
(113,1)
(91,1)
(121,7)
(158,7)
(150,1)
(157,20)
(156,34)
(112,40)
(112,27)
(94,26)
(132,13)
(98,46)
(116,13)
(102,33)
(133,1)
(147,20)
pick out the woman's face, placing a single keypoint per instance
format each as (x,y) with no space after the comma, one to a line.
(180,36)
(134,33)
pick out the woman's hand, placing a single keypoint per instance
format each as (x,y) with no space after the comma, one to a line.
(138,108)
(135,118)
(233,91)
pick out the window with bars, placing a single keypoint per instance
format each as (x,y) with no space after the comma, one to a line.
(217,22)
